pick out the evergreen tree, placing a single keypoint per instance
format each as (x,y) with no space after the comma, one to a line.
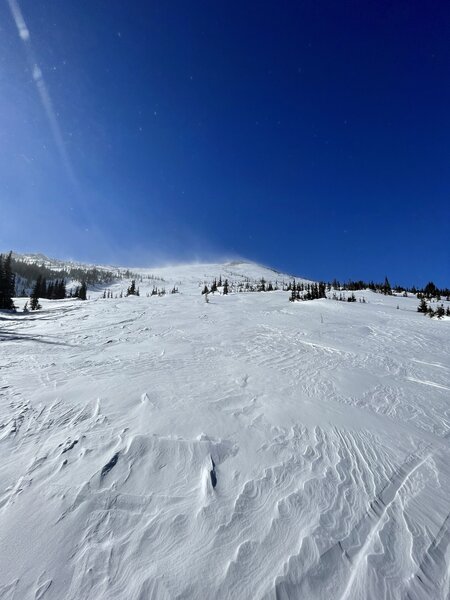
(7,283)
(430,290)
(82,291)
(422,308)
(440,312)
(225,287)
(205,290)
(131,291)
(34,298)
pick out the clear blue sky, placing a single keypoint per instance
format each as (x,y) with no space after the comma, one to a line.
(313,135)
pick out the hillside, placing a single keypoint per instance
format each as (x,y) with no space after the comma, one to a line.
(248,447)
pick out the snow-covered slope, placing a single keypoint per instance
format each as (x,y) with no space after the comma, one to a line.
(325,427)
(56,263)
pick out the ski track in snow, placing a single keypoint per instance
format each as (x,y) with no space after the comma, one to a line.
(159,448)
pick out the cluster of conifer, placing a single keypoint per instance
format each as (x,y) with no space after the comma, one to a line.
(161,292)
(438,312)
(307,291)
(217,286)
(429,291)
(53,290)
(353,286)
(80,292)
(109,294)
(343,298)
(225,287)
(149,276)
(133,290)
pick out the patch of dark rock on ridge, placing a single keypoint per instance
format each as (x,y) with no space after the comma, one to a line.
(109,465)
(212,473)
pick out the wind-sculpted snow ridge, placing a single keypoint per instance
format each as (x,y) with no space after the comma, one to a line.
(245,448)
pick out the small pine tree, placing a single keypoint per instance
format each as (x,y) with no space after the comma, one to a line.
(387,287)
(225,287)
(131,291)
(423,307)
(440,312)
(34,298)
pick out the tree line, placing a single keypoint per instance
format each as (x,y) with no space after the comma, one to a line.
(308,291)
(429,291)
(225,286)
(54,290)
(31,271)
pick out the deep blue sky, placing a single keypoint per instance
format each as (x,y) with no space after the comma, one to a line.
(313,136)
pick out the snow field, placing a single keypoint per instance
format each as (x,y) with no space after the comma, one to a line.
(327,426)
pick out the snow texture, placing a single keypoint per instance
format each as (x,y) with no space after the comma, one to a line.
(249,447)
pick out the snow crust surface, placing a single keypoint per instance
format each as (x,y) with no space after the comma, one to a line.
(246,448)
